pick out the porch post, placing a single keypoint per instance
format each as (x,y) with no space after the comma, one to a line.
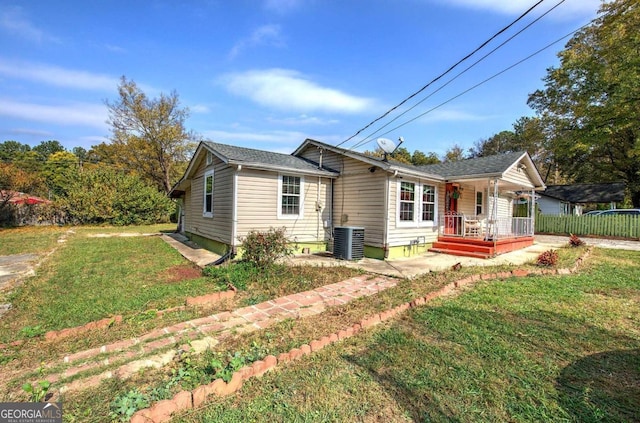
(495,214)
(533,212)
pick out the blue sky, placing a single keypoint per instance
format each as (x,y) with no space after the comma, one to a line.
(269,73)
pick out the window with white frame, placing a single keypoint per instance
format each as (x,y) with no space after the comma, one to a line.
(428,203)
(417,204)
(209,158)
(407,201)
(208,194)
(479,202)
(290,196)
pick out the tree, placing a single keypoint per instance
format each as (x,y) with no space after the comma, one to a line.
(12,150)
(454,154)
(148,135)
(589,106)
(502,142)
(420,159)
(47,148)
(59,170)
(103,195)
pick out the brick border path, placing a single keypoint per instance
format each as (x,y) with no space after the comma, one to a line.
(149,350)
(163,410)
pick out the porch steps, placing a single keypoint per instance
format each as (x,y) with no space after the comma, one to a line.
(469,247)
(462,253)
(461,249)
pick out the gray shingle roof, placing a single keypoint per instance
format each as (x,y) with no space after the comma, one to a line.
(587,193)
(243,155)
(479,166)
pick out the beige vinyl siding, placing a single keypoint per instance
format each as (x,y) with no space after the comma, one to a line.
(403,233)
(258,204)
(505,206)
(330,159)
(467,200)
(519,177)
(359,199)
(219,226)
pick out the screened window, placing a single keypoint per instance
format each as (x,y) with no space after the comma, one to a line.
(428,202)
(290,198)
(407,200)
(479,203)
(208,194)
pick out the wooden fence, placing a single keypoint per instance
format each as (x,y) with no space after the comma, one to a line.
(624,226)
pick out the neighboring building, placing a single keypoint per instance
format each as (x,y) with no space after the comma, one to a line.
(228,191)
(570,199)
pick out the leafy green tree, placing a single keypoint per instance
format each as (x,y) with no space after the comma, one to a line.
(47,148)
(589,106)
(59,169)
(418,158)
(454,154)
(12,150)
(103,195)
(148,136)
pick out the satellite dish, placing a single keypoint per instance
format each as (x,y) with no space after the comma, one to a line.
(388,146)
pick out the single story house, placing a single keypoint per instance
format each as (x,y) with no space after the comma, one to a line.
(463,207)
(570,199)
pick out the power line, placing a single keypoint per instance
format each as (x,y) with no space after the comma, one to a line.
(442,74)
(488,79)
(368,137)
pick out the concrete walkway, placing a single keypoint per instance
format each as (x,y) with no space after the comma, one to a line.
(417,264)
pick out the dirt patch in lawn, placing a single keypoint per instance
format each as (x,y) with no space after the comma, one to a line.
(180,273)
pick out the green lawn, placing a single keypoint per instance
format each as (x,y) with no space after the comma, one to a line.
(29,239)
(533,349)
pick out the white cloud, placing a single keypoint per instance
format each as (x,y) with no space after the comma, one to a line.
(84,114)
(199,108)
(13,21)
(33,132)
(289,90)
(569,8)
(452,115)
(115,49)
(54,75)
(303,120)
(265,35)
(262,137)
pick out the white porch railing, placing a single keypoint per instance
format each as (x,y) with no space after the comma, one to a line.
(479,227)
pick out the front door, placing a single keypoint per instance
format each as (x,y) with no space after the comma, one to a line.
(452,221)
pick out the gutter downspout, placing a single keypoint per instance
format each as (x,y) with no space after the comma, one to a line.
(234,210)
(495,214)
(385,235)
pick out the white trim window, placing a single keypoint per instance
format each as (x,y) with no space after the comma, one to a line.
(417,204)
(479,203)
(290,198)
(428,203)
(207,209)
(209,158)
(407,201)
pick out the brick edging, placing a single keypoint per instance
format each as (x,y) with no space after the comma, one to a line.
(186,400)
(117,319)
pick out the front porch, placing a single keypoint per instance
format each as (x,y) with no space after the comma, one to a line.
(476,236)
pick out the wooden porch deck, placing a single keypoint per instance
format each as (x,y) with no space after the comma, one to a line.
(478,247)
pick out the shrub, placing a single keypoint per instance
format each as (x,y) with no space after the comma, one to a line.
(548,258)
(574,241)
(100,196)
(264,248)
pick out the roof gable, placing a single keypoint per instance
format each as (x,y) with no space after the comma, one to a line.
(479,166)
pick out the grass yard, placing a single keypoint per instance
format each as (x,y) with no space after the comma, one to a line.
(89,278)
(29,239)
(553,348)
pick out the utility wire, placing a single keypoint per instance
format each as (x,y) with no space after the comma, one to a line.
(442,74)
(368,137)
(488,79)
